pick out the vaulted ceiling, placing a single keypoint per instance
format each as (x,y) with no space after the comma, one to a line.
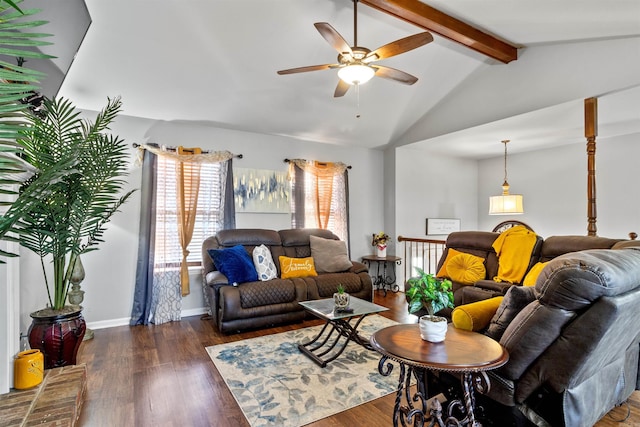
(214,62)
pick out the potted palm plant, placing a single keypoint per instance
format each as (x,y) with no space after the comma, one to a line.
(76,174)
(427,292)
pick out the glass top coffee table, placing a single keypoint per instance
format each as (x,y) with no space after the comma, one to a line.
(340,328)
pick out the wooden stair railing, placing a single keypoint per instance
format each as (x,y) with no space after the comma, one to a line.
(422,253)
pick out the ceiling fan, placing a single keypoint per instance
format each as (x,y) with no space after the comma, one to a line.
(355,63)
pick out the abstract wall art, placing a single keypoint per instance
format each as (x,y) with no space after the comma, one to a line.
(261,191)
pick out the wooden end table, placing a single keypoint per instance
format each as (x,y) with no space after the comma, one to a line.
(324,347)
(468,353)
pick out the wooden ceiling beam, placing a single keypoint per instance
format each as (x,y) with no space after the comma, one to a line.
(424,16)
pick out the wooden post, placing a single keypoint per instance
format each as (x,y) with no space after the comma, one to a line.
(590,132)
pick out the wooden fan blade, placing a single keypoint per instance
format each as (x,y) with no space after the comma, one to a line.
(309,68)
(341,89)
(333,37)
(399,46)
(393,74)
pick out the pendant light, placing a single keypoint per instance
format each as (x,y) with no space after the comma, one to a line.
(506,204)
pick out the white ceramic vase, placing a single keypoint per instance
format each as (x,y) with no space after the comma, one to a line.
(382,251)
(433,328)
(341,300)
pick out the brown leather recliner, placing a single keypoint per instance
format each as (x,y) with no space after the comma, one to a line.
(574,348)
(258,304)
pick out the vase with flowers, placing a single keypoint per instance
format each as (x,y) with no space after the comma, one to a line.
(380,241)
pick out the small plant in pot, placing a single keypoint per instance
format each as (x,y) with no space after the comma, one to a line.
(341,298)
(76,171)
(431,294)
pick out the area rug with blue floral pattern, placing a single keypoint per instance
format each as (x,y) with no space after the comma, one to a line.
(276,385)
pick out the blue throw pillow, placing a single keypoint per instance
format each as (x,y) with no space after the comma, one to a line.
(235,263)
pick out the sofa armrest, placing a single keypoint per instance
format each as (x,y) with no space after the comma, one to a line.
(215,278)
(358,267)
(492,285)
(470,294)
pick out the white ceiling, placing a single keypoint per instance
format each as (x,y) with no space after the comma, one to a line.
(215,61)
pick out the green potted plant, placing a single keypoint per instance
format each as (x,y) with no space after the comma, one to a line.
(431,294)
(77,172)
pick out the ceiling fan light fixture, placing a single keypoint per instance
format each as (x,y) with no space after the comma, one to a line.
(356,74)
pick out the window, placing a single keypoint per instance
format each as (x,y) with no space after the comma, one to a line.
(320,198)
(208,218)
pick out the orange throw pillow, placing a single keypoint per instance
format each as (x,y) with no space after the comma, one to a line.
(532,275)
(297,267)
(477,315)
(466,268)
(442,273)
(451,254)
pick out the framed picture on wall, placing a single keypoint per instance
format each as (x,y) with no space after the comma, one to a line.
(261,191)
(439,226)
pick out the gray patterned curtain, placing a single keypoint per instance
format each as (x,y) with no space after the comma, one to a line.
(229,206)
(297,216)
(158,295)
(146,242)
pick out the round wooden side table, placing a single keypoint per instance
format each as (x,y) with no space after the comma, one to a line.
(468,353)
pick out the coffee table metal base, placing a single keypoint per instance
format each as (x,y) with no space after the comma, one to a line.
(333,339)
(468,354)
(459,413)
(411,413)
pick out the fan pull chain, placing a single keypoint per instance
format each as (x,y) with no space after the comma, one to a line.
(357,101)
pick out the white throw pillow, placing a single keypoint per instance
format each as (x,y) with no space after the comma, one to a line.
(264,263)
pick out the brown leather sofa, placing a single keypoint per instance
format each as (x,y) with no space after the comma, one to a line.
(480,243)
(264,303)
(573,340)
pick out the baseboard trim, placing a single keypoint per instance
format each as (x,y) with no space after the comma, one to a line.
(124,321)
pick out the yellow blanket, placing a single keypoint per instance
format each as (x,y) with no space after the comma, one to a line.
(514,247)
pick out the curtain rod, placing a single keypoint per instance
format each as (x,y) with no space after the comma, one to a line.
(289,160)
(136,145)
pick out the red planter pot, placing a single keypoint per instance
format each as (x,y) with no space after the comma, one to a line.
(58,334)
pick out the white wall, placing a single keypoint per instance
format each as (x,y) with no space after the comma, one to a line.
(110,271)
(554,185)
(389,192)
(433,186)
(9,317)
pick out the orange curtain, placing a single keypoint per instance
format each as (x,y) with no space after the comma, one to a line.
(187,184)
(323,189)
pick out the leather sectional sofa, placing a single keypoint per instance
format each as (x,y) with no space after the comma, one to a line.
(259,304)
(573,340)
(574,348)
(572,337)
(480,243)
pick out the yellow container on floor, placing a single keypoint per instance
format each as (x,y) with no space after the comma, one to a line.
(28,369)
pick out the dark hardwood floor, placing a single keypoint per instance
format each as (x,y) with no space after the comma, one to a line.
(162,376)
